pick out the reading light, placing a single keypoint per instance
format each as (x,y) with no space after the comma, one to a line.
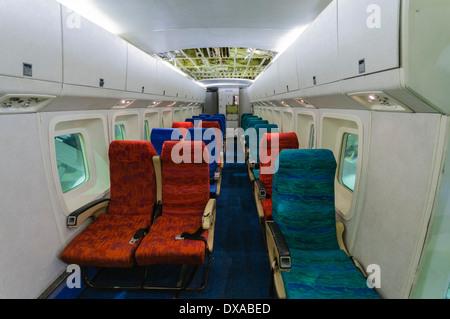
(379,101)
(124,103)
(305,103)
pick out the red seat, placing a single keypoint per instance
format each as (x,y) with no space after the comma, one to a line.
(183,127)
(271,146)
(185,194)
(106,241)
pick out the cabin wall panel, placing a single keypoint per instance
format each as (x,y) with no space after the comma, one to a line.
(368,30)
(141,71)
(395,211)
(31,33)
(317,50)
(426,51)
(28,230)
(92,54)
(287,71)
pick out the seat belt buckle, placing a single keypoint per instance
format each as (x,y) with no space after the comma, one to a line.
(179,237)
(133,240)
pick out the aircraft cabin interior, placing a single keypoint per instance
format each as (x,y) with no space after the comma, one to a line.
(225,150)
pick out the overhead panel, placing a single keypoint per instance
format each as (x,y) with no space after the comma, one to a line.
(220,62)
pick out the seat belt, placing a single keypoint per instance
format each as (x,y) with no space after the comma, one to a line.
(194,236)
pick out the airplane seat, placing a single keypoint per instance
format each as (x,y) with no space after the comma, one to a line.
(243,116)
(311,264)
(271,145)
(160,135)
(184,233)
(248,119)
(210,139)
(220,120)
(253,159)
(251,125)
(182,127)
(112,238)
(195,122)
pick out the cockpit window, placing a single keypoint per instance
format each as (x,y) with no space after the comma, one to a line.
(349,161)
(73,168)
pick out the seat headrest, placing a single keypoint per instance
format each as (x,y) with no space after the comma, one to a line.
(182,125)
(131,151)
(186,152)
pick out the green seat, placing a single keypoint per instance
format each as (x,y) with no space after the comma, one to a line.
(303,207)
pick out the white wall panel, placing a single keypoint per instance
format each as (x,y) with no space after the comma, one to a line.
(317,50)
(31,33)
(141,71)
(369,31)
(91,54)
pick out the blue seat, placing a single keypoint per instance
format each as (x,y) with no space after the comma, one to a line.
(253,155)
(160,135)
(210,139)
(251,125)
(194,121)
(220,120)
(303,210)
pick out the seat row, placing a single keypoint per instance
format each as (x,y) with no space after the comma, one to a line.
(159,212)
(212,138)
(294,194)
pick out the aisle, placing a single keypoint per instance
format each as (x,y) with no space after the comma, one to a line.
(239,266)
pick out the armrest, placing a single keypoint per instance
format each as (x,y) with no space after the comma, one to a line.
(261,190)
(75,219)
(340,228)
(282,253)
(217,173)
(209,214)
(252,163)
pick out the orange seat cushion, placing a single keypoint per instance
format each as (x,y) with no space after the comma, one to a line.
(105,242)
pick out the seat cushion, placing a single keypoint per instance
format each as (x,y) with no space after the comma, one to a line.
(161,247)
(325,275)
(105,242)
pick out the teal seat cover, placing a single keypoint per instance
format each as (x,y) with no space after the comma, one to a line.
(303,206)
(328,274)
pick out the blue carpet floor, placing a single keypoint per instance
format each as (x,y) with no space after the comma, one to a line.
(239,265)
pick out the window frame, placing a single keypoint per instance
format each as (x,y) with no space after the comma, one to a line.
(340,171)
(78,191)
(124,130)
(312,136)
(85,161)
(146,130)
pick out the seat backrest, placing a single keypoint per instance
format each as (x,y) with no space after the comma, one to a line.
(260,130)
(271,145)
(185,178)
(161,135)
(244,115)
(248,119)
(303,202)
(210,138)
(196,122)
(132,176)
(182,127)
(219,120)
